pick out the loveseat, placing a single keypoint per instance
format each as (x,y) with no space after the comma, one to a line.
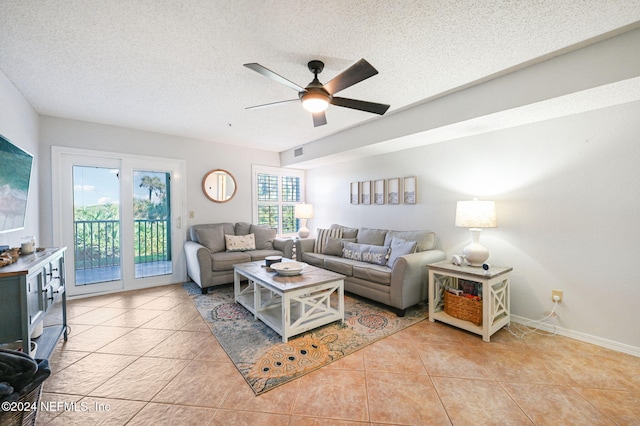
(389,267)
(214,248)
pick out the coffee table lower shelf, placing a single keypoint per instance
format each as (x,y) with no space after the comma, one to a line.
(289,309)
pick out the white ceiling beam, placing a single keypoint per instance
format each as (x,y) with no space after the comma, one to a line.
(607,59)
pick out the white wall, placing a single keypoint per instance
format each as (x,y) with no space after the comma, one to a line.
(567,200)
(19,124)
(201,156)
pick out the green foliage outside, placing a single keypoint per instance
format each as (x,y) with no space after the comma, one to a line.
(269,186)
(97,229)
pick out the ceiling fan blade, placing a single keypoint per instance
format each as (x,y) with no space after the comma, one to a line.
(319,119)
(361,105)
(273,104)
(273,76)
(357,72)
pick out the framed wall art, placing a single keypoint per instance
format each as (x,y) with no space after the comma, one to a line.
(355,193)
(409,194)
(393,191)
(365,189)
(378,191)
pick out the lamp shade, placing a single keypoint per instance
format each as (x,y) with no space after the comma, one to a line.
(476,214)
(303,211)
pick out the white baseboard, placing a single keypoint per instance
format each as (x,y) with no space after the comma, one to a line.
(583,337)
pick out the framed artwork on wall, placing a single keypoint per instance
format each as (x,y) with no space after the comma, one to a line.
(378,191)
(393,191)
(355,192)
(409,190)
(366,192)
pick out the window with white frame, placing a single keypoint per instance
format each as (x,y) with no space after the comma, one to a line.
(276,191)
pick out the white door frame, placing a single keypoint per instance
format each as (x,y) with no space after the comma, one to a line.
(60,195)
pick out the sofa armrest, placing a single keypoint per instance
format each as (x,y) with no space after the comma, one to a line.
(199,263)
(285,245)
(304,245)
(410,277)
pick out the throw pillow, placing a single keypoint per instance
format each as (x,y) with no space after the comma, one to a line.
(400,247)
(240,242)
(346,232)
(335,245)
(366,253)
(426,239)
(321,238)
(264,237)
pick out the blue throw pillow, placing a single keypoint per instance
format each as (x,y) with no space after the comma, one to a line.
(366,253)
(400,247)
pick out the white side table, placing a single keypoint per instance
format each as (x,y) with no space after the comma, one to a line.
(495,290)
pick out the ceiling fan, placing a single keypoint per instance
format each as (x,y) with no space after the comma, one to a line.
(316,97)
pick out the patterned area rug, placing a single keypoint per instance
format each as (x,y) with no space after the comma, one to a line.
(266,362)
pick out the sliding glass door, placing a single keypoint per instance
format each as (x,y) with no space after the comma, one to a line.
(120,218)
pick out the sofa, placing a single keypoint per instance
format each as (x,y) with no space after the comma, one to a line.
(212,250)
(387,266)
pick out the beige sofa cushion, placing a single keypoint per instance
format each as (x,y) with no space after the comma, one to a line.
(224,260)
(261,254)
(374,273)
(212,237)
(242,228)
(264,236)
(341,266)
(374,237)
(315,259)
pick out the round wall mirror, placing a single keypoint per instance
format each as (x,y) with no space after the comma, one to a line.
(219,185)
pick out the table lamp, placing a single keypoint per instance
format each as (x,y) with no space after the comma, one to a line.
(476,215)
(303,212)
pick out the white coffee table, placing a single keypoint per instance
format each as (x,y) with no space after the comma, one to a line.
(290,305)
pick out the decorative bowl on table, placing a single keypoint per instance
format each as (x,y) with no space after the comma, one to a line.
(288,269)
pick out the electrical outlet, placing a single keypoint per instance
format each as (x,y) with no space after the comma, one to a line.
(191,214)
(555,293)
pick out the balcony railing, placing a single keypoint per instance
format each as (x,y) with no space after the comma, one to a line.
(97,242)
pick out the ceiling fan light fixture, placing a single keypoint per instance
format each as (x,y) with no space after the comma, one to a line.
(315,102)
(316,97)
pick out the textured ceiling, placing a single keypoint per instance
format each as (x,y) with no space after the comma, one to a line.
(175,67)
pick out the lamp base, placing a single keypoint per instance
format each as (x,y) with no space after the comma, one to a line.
(303,232)
(475,253)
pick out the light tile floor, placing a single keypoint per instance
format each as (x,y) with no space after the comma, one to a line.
(147,358)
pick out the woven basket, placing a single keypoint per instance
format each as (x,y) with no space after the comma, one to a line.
(27,416)
(463,308)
